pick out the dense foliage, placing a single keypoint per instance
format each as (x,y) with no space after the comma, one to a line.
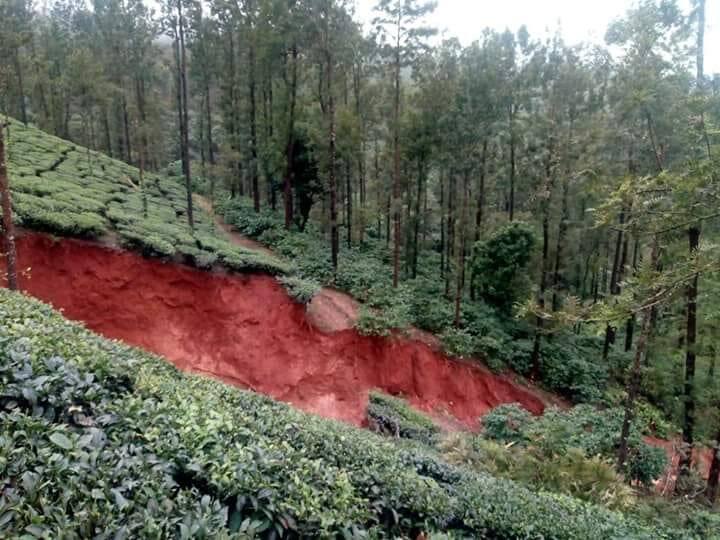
(68,190)
(591,431)
(394,417)
(101,439)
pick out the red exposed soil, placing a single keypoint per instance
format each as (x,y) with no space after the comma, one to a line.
(244,329)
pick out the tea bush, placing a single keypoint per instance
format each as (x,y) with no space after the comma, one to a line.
(98,439)
(393,417)
(67,190)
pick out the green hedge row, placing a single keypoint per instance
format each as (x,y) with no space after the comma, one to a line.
(70,191)
(101,440)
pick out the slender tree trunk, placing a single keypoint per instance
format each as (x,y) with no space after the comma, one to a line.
(348,202)
(511,200)
(442,226)
(184,100)
(253,120)
(539,320)
(614,284)
(630,325)
(481,192)
(290,146)
(106,131)
(633,388)
(140,100)
(416,224)
(713,483)
(396,163)
(8,228)
(334,233)
(461,250)
(21,86)
(450,231)
(562,233)
(690,353)
(126,130)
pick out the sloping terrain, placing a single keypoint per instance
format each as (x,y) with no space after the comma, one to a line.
(101,440)
(65,189)
(246,330)
(242,329)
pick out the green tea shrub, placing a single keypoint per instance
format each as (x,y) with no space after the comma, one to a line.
(301,290)
(392,416)
(507,423)
(97,438)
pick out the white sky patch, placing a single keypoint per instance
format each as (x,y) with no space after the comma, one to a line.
(578,20)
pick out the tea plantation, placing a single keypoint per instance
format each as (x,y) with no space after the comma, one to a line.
(68,190)
(101,440)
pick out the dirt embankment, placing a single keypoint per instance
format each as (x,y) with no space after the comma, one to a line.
(247,331)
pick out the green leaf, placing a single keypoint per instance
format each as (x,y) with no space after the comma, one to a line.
(61,440)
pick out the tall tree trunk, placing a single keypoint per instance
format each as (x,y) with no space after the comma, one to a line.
(143,146)
(348,202)
(450,244)
(290,146)
(614,283)
(8,228)
(184,101)
(126,130)
(713,483)
(330,110)
(460,284)
(416,223)
(396,163)
(539,320)
(511,200)
(690,353)
(633,388)
(106,131)
(562,233)
(253,120)
(630,325)
(481,192)
(21,86)
(442,226)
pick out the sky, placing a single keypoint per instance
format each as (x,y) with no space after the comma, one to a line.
(579,20)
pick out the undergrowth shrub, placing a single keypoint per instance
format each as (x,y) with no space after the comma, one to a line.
(392,416)
(301,290)
(594,432)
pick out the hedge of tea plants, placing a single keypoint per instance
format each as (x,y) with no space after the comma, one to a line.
(98,439)
(64,189)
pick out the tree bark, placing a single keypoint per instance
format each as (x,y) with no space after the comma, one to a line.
(8,228)
(713,483)
(186,128)
(416,224)
(511,199)
(290,145)
(21,86)
(636,374)
(253,118)
(479,215)
(690,354)
(396,161)
(614,284)
(461,251)
(562,233)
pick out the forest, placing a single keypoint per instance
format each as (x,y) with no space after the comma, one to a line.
(544,209)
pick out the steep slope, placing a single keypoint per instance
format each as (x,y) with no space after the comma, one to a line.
(102,440)
(245,330)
